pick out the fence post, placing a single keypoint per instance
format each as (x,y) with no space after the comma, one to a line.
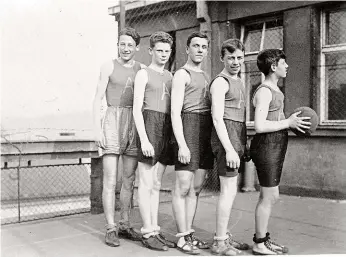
(96,186)
(249,177)
(122,15)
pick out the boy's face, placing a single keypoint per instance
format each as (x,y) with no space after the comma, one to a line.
(127,47)
(160,53)
(281,68)
(198,49)
(233,61)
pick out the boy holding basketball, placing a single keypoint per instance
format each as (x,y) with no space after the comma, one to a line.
(269,145)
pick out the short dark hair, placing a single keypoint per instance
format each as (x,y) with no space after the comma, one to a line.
(128,31)
(160,36)
(231,45)
(266,58)
(196,34)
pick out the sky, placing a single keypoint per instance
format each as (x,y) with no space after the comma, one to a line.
(51,53)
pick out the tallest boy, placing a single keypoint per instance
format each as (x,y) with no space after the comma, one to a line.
(117,135)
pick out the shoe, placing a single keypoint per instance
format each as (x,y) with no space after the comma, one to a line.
(277,246)
(112,238)
(165,241)
(265,248)
(188,246)
(199,243)
(236,244)
(225,249)
(153,243)
(129,233)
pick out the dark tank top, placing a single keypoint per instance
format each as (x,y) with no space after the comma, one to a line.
(157,96)
(276,106)
(196,98)
(235,101)
(119,90)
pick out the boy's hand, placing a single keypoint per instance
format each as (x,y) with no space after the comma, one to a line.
(232,159)
(100,139)
(184,155)
(147,149)
(298,123)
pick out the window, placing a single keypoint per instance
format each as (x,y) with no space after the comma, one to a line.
(333,67)
(256,37)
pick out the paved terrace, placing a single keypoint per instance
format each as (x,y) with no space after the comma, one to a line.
(306,225)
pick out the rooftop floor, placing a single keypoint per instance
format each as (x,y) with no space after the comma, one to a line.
(306,225)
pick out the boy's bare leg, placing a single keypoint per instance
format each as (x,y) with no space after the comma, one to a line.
(192,203)
(128,177)
(184,179)
(228,186)
(268,197)
(110,164)
(144,195)
(155,193)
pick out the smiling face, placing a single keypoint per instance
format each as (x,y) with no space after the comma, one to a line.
(160,53)
(280,69)
(233,61)
(127,47)
(198,49)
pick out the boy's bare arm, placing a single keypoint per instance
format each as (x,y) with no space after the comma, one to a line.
(218,90)
(141,81)
(179,81)
(262,125)
(105,72)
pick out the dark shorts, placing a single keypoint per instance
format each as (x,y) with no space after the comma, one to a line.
(158,127)
(197,132)
(119,131)
(268,152)
(237,135)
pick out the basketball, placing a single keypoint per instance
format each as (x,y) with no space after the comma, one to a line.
(307,112)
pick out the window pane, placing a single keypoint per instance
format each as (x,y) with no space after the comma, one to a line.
(336,85)
(252,37)
(252,80)
(273,38)
(336,27)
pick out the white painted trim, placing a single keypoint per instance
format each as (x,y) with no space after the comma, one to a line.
(323,79)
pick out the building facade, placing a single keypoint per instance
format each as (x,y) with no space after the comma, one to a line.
(313,36)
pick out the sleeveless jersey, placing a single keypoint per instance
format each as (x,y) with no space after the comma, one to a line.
(157,95)
(119,90)
(196,98)
(235,99)
(276,106)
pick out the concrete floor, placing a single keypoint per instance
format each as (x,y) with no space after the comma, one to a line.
(306,225)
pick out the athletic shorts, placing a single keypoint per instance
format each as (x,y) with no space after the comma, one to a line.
(268,152)
(197,132)
(158,127)
(119,131)
(237,134)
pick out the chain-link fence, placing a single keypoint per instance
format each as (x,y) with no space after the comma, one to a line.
(37,192)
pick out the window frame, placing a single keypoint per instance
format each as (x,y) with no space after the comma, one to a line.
(252,56)
(325,49)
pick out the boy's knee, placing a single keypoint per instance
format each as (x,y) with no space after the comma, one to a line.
(109,185)
(275,198)
(156,185)
(182,190)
